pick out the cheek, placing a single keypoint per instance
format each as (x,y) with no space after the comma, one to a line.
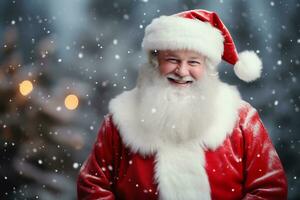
(197,73)
(166,68)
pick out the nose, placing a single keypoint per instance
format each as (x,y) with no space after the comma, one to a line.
(182,70)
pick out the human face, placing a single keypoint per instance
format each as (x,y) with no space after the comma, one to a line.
(181,67)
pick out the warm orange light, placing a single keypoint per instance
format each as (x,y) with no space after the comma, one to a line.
(25,87)
(71,102)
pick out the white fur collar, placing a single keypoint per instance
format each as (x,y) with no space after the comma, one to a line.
(179,168)
(123,109)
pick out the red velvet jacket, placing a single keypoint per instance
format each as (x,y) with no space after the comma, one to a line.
(246,166)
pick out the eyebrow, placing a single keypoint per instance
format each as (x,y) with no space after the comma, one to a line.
(195,57)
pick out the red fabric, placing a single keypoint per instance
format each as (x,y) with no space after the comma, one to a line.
(230,54)
(245,167)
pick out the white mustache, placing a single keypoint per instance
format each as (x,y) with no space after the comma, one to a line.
(178,78)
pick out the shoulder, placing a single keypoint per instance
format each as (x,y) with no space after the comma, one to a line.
(108,131)
(247,113)
(248,124)
(108,122)
(251,125)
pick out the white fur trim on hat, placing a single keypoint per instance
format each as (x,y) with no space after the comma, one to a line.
(175,33)
(249,66)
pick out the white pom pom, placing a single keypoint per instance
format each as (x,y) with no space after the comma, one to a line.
(249,66)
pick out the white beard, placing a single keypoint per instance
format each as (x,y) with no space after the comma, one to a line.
(175,114)
(177,125)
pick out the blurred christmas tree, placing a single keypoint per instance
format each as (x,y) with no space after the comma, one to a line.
(38,146)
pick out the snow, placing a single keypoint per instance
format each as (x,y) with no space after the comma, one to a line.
(258,155)
(61,44)
(153,110)
(80,55)
(126,16)
(279,62)
(110,168)
(75,165)
(115,41)
(117,56)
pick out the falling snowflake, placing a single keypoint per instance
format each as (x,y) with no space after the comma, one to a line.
(126,17)
(115,41)
(279,62)
(80,55)
(117,57)
(153,110)
(110,168)
(75,165)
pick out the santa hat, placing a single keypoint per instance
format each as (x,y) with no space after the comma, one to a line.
(204,32)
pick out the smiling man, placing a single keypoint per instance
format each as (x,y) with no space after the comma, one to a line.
(181,67)
(181,133)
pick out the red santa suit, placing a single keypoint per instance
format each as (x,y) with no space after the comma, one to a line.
(126,164)
(221,151)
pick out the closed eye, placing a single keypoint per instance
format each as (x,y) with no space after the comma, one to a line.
(172,60)
(194,63)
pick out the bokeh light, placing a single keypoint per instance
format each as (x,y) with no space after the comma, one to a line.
(25,87)
(71,102)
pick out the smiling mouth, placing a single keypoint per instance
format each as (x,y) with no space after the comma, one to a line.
(181,82)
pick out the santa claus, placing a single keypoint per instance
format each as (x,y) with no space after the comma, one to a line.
(181,133)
